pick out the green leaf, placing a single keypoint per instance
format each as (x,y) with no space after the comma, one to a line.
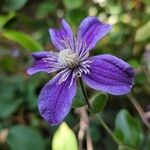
(78,99)
(140,78)
(143,33)
(8,107)
(98,104)
(30,95)
(23,39)
(5,18)
(25,138)
(128,128)
(72,4)
(13,5)
(64,139)
(119,134)
(95,133)
(147,143)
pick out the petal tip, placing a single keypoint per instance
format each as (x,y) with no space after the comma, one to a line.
(110,26)
(50,30)
(51,118)
(29,71)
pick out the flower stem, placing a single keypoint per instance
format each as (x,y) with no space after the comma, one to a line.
(84,92)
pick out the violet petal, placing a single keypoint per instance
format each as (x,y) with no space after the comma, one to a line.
(110,74)
(62,38)
(55,99)
(91,30)
(45,62)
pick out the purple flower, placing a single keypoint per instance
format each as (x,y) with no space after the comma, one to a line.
(105,72)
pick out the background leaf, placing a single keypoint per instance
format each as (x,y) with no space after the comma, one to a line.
(25,138)
(147,144)
(13,5)
(5,18)
(128,129)
(72,4)
(98,104)
(23,39)
(9,106)
(143,33)
(9,103)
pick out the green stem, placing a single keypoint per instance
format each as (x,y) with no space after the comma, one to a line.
(109,131)
(139,110)
(84,92)
(100,119)
(122,147)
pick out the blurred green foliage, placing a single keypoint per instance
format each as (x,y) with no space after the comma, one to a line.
(24,28)
(22,137)
(98,103)
(128,127)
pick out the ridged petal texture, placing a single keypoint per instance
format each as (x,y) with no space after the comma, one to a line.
(44,62)
(90,31)
(55,99)
(62,38)
(109,74)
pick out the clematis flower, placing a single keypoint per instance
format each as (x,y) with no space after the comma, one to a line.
(105,72)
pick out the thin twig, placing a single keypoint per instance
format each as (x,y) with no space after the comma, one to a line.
(122,147)
(3,136)
(83,129)
(108,129)
(89,144)
(139,110)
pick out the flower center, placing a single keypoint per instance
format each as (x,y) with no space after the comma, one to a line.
(68,58)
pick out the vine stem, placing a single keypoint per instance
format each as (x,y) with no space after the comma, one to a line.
(139,110)
(100,119)
(109,131)
(84,92)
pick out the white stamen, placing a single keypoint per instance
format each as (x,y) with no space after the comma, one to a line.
(64,76)
(73,64)
(68,58)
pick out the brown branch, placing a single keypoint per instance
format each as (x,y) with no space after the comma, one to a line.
(83,129)
(3,136)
